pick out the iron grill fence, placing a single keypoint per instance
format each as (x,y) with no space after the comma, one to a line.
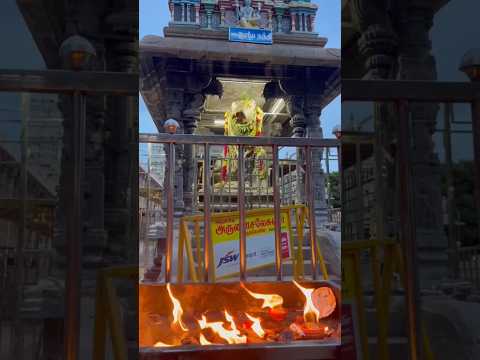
(244,190)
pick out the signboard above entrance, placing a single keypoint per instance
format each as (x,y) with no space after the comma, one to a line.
(250,35)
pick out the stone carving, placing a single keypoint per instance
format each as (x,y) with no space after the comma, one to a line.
(248,16)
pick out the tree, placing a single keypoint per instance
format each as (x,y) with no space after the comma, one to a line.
(333,189)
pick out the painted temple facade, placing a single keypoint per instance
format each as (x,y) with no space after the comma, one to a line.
(281,16)
(194,73)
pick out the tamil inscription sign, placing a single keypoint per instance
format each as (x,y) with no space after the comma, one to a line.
(250,35)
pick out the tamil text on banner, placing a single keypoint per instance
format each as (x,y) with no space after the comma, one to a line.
(260,229)
(250,35)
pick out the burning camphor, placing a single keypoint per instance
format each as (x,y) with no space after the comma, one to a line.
(309,309)
(269,300)
(177,310)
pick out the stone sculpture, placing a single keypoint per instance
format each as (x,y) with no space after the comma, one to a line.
(248,16)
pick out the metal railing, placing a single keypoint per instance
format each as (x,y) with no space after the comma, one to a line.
(77,85)
(402,94)
(307,144)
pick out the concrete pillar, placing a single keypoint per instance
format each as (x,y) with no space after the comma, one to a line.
(292,16)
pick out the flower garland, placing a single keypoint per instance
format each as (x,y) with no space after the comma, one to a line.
(251,124)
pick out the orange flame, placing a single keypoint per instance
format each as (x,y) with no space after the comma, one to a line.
(309,308)
(269,300)
(231,336)
(177,310)
(230,320)
(161,344)
(256,327)
(203,340)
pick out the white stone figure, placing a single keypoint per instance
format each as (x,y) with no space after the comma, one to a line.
(248,16)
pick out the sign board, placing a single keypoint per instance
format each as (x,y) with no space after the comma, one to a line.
(249,35)
(260,245)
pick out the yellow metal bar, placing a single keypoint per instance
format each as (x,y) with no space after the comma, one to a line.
(188,248)
(292,244)
(181,246)
(300,220)
(426,344)
(363,244)
(196,230)
(263,211)
(323,266)
(128,272)
(100,327)
(382,321)
(119,344)
(358,292)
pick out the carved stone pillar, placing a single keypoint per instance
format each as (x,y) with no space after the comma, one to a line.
(313,110)
(297,121)
(378,44)
(295,107)
(96,237)
(174,107)
(194,105)
(122,177)
(417,63)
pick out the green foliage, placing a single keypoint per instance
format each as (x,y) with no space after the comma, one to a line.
(333,188)
(464,199)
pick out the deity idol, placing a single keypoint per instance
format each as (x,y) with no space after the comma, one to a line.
(245,119)
(248,17)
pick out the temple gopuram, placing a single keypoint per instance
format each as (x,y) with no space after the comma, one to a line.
(215,53)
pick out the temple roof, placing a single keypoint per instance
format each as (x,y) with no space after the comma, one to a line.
(281,54)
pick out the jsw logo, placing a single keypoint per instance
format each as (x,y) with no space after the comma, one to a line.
(227,258)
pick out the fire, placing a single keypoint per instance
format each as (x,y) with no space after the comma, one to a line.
(177,310)
(269,300)
(309,308)
(231,336)
(203,340)
(230,320)
(256,327)
(161,344)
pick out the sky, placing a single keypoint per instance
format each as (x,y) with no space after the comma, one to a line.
(154,16)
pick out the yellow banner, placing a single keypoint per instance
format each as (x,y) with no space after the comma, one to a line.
(260,230)
(227,229)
